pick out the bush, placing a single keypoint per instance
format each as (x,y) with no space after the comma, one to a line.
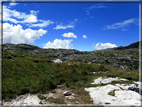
(72,87)
(53,91)
(67,84)
(102,68)
(34,90)
(25,90)
(41,97)
(6,55)
(35,60)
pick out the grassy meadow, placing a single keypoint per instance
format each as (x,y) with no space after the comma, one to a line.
(27,74)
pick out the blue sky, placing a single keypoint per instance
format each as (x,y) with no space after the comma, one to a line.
(81,26)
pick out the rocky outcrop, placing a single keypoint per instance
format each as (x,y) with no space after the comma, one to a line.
(126,58)
(118,94)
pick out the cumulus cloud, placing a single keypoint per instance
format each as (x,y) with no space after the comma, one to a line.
(15,34)
(121,24)
(27,18)
(21,17)
(58,43)
(84,36)
(95,7)
(69,35)
(63,27)
(104,45)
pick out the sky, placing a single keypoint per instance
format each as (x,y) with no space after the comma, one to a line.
(80,26)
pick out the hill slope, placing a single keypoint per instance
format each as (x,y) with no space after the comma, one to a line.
(122,57)
(134,45)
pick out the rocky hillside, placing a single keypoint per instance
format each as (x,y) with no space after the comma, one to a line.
(45,76)
(122,57)
(134,45)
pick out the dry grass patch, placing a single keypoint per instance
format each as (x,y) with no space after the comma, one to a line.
(112,93)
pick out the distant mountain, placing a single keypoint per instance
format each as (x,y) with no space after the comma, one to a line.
(134,45)
(22,46)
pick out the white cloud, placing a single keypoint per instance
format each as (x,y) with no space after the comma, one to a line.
(84,36)
(121,24)
(63,27)
(96,7)
(124,29)
(43,24)
(58,43)
(34,12)
(27,18)
(104,45)
(13,3)
(21,17)
(15,34)
(75,19)
(69,35)
(70,25)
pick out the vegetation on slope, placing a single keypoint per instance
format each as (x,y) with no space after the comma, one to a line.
(126,58)
(29,74)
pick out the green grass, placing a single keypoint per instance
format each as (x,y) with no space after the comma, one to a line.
(112,93)
(29,75)
(116,72)
(33,75)
(41,97)
(56,100)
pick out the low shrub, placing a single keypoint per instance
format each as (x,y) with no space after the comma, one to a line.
(56,100)
(41,97)
(34,90)
(72,87)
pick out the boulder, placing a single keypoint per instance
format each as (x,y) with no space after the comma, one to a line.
(23,55)
(67,93)
(77,102)
(57,61)
(70,97)
(89,62)
(136,89)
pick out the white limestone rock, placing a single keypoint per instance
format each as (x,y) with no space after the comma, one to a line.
(57,61)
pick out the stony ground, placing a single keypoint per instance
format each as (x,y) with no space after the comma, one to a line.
(109,94)
(100,94)
(117,94)
(50,99)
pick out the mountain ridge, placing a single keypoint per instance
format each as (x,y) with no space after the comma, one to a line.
(134,45)
(131,46)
